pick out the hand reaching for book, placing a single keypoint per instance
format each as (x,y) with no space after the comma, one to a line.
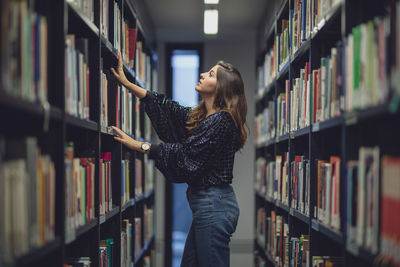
(119,74)
(126,139)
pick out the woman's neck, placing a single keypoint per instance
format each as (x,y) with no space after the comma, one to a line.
(209,102)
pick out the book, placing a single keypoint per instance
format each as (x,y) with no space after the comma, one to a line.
(24,52)
(390,201)
(27,204)
(80,190)
(77,76)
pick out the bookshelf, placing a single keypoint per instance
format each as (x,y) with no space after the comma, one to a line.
(71,194)
(326,134)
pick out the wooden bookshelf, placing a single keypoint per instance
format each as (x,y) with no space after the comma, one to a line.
(343,135)
(54,129)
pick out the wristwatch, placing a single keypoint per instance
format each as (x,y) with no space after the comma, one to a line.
(145,147)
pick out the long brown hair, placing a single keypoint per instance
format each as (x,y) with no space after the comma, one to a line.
(230,97)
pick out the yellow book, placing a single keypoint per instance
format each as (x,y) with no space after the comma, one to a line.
(127,179)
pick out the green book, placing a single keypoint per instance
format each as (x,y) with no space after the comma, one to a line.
(356,60)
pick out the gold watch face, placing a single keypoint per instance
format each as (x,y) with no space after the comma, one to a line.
(145,146)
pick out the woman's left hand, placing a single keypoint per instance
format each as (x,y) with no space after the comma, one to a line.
(126,139)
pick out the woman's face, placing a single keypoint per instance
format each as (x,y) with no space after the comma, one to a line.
(208,82)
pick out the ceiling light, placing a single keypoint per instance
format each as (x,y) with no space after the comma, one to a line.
(211,2)
(210,21)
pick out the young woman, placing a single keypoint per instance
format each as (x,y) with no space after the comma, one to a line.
(199,149)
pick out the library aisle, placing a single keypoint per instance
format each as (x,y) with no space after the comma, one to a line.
(317,183)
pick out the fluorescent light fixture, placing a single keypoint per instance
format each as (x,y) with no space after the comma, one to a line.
(210,21)
(211,2)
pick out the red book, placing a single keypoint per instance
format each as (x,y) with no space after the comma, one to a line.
(132,43)
(88,192)
(106,183)
(101,185)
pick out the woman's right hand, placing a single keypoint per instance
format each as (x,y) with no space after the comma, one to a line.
(119,74)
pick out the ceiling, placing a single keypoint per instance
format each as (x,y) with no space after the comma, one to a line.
(182,20)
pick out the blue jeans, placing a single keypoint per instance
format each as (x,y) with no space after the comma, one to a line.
(215,213)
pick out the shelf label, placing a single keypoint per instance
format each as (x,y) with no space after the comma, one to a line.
(102,219)
(291,135)
(291,211)
(315,127)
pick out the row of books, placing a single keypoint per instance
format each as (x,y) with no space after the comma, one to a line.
(105,191)
(328,192)
(138,122)
(128,51)
(282,45)
(299,251)
(300,184)
(272,178)
(353,76)
(303,19)
(27,197)
(267,71)
(307,16)
(124,109)
(362,199)
(106,252)
(273,237)
(86,7)
(363,189)
(143,65)
(282,115)
(124,38)
(264,125)
(24,51)
(299,98)
(277,238)
(77,76)
(127,242)
(79,189)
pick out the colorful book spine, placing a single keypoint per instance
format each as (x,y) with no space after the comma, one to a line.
(79,181)
(28,195)
(105,190)
(24,52)
(77,75)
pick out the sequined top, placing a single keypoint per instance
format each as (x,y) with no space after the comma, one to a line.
(202,158)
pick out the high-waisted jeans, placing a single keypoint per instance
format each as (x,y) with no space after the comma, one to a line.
(215,213)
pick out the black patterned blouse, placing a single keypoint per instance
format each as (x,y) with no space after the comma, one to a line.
(202,158)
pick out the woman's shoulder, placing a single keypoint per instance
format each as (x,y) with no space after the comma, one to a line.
(221,117)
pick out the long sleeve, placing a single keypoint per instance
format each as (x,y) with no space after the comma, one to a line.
(194,159)
(167,116)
